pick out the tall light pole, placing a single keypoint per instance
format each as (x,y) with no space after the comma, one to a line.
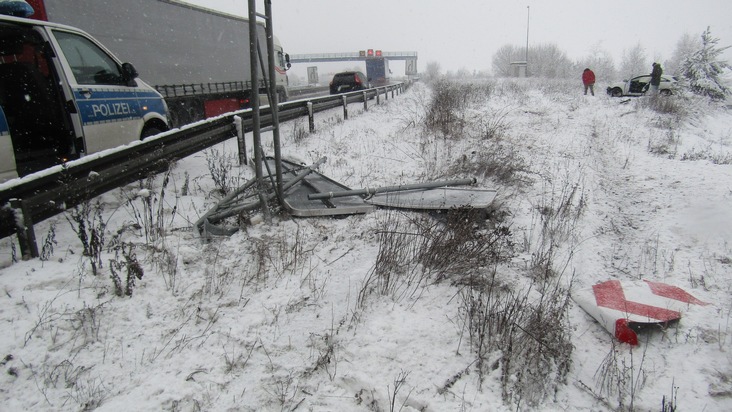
(527,36)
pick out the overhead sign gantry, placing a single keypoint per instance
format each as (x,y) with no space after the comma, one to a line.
(410,58)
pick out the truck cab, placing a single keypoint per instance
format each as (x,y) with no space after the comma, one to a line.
(64,95)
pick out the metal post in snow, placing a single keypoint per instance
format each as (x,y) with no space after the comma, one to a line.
(386,189)
(386,93)
(241,141)
(345,107)
(365,102)
(274,104)
(311,118)
(26,233)
(256,134)
(378,100)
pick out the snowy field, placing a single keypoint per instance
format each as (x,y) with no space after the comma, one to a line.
(287,316)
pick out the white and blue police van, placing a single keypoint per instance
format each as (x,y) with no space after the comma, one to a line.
(64,95)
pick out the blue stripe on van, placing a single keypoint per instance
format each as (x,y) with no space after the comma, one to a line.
(109,105)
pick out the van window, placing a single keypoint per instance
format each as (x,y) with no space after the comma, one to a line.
(89,63)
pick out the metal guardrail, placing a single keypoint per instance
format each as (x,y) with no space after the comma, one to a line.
(32,200)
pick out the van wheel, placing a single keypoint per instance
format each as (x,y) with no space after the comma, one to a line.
(149,131)
(616,92)
(665,92)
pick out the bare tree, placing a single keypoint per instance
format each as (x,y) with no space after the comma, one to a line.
(685,47)
(545,60)
(601,62)
(634,62)
(432,71)
(503,58)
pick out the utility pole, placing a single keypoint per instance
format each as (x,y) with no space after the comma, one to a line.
(274,99)
(527,38)
(256,132)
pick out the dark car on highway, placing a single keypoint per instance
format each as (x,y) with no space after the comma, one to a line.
(347,82)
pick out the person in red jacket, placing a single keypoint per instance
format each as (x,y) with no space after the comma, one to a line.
(588,79)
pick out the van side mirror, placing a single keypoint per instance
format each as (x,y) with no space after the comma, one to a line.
(129,74)
(287,59)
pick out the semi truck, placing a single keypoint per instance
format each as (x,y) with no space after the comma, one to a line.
(197,58)
(377,71)
(64,95)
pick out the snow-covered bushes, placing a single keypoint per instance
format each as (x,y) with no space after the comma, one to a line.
(449,104)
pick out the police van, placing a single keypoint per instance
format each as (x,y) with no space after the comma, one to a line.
(64,95)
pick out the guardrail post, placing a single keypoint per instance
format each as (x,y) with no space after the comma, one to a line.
(241,141)
(26,233)
(392,92)
(386,93)
(345,107)
(378,96)
(365,102)
(311,119)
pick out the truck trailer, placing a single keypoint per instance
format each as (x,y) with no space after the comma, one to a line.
(377,71)
(197,58)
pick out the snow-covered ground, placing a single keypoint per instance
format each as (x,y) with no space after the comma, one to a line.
(271,318)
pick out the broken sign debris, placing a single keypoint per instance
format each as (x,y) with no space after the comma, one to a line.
(624,308)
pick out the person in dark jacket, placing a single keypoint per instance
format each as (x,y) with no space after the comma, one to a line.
(588,79)
(656,78)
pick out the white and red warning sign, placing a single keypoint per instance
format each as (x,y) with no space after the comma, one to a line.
(625,307)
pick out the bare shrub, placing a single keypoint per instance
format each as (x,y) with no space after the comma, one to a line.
(86,221)
(234,359)
(517,91)
(495,125)
(220,167)
(523,339)
(620,376)
(554,221)
(128,264)
(414,106)
(395,272)
(664,105)
(717,158)
(88,394)
(325,348)
(298,132)
(64,373)
(392,392)
(446,110)
(86,323)
(147,208)
(49,242)
(501,163)
(670,404)
(288,253)
(284,389)
(667,145)
(415,250)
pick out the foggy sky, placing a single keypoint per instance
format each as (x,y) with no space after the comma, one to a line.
(465,34)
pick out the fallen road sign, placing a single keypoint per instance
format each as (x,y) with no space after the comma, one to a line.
(624,308)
